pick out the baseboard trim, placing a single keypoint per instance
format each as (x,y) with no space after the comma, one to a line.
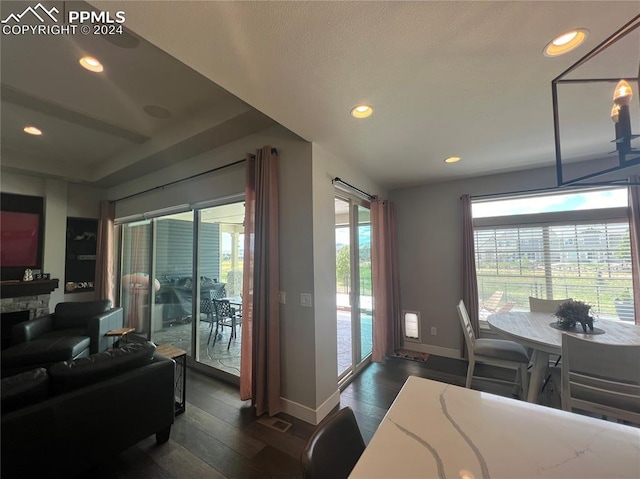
(307,414)
(430,349)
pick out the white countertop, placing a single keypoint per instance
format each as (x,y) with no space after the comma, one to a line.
(438,430)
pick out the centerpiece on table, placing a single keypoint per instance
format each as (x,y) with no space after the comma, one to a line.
(571,312)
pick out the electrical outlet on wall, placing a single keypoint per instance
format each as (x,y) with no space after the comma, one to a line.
(282,297)
(434,331)
(305,300)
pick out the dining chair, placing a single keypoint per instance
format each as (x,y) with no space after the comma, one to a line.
(537,305)
(225,316)
(601,378)
(334,448)
(496,352)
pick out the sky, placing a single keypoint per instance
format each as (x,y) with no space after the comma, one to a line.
(545,204)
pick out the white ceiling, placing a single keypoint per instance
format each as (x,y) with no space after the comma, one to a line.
(445,79)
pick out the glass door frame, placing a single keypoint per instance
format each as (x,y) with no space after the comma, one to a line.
(358,363)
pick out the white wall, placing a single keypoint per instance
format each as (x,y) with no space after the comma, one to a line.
(61,200)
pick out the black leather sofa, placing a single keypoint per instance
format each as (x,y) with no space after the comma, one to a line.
(59,422)
(74,330)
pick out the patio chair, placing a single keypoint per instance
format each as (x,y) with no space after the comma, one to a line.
(601,378)
(491,304)
(225,316)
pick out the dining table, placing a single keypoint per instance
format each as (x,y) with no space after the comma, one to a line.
(537,331)
(438,430)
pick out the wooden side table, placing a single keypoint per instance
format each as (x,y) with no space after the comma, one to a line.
(119,334)
(179,356)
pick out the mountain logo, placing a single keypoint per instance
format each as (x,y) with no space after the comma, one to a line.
(17,17)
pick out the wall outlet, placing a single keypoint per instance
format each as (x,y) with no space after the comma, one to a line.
(434,331)
(305,300)
(282,297)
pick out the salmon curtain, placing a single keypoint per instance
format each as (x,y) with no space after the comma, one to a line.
(469,279)
(260,349)
(387,325)
(105,278)
(634,236)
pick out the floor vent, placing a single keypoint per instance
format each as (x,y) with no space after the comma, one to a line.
(275,423)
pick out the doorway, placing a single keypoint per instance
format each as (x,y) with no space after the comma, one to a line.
(354,293)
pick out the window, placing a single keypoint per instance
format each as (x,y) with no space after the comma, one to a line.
(571,245)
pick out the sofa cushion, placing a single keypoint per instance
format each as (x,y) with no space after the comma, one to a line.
(44,351)
(69,375)
(24,389)
(74,314)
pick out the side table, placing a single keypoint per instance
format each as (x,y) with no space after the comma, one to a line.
(179,356)
(119,334)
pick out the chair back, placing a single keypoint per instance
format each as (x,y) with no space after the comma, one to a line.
(334,448)
(222,308)
(206,306)
(537,305)
(601,378)
(467,329)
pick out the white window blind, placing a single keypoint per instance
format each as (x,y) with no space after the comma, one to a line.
(589,261)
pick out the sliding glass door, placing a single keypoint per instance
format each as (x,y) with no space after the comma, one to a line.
(354,289)
(194,258)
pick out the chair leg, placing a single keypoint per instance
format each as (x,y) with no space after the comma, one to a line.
(472,365)
(524,380)
(210,331)
(232,334)
(215,335)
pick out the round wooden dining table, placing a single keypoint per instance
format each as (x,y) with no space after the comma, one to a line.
(533,330)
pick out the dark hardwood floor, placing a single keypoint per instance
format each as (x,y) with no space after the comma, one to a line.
(219,436)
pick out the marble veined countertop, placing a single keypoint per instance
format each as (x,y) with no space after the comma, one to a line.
(442,431)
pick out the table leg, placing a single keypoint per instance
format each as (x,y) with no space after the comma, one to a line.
(540,363)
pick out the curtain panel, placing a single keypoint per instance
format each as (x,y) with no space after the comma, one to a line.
(387,326)
(105,275)
(469,279)
(634,236)
(260,349)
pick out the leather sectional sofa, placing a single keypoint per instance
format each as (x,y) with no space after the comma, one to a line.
(74,330)
(61,421)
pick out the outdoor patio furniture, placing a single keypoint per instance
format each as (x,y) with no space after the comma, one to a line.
(225,315)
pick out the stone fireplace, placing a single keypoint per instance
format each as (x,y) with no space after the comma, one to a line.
(32,296)
(23,300)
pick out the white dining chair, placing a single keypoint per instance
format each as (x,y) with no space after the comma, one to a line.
(496,352)
(537,305)
(601,378)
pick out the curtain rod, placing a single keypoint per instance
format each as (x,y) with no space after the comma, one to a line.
(362,192)
(551,188)
(171,183)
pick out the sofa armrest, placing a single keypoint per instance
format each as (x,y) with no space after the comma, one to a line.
(32,329)
(98,325)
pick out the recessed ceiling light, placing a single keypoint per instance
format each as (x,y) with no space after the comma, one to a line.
(452,159)
(157,112)
(362,111)
(32,130)
(566,42)
(91,64)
